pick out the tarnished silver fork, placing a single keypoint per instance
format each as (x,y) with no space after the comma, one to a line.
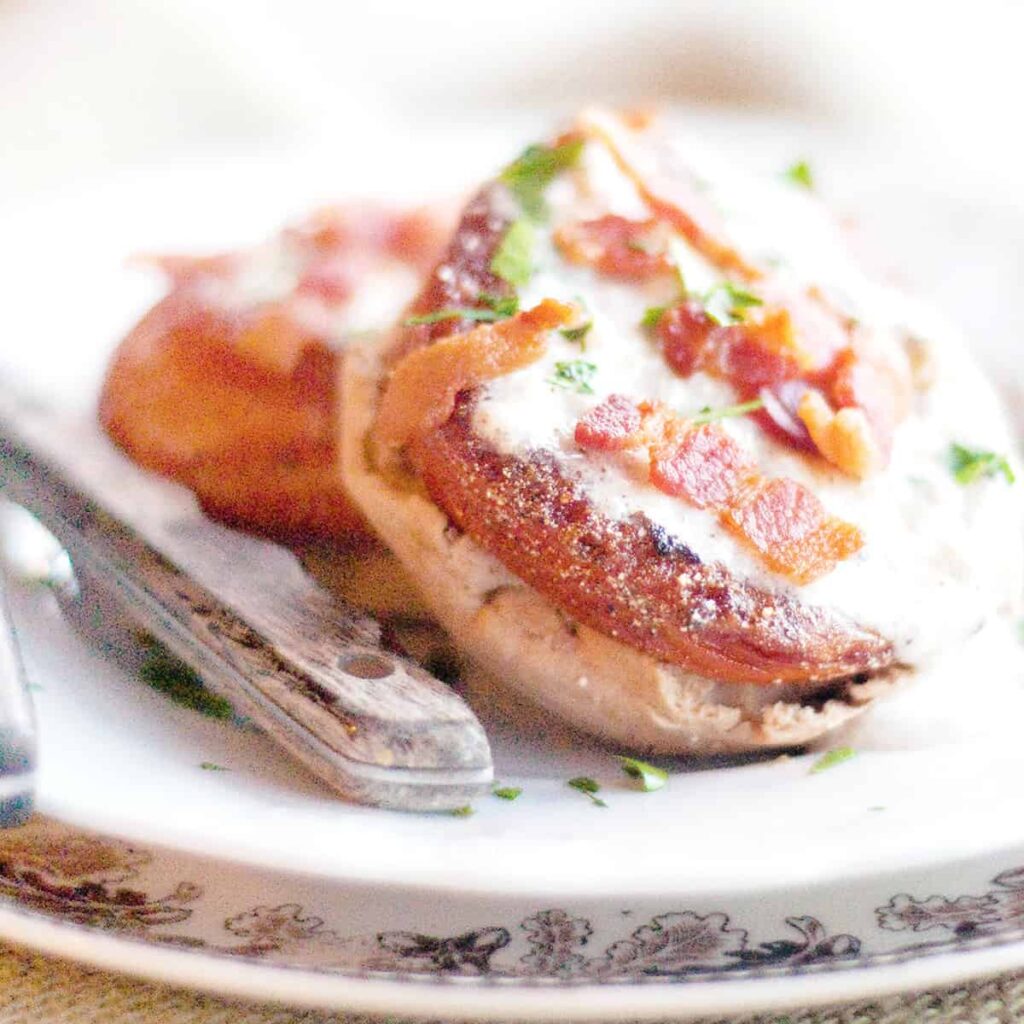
(313,673)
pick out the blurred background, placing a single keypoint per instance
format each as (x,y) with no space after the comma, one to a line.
(911,108)
(86,84)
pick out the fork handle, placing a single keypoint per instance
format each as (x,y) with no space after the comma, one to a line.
(17,726)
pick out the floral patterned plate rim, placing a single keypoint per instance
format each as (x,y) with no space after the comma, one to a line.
(116,905)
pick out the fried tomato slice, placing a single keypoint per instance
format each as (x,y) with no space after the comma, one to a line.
(256,446)
(626,578)
(233,395)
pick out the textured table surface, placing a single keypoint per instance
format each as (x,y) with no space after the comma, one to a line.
(38,990)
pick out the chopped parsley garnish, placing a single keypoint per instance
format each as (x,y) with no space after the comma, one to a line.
(649,777)
(487,315)
(652,316)
(589,788)
(501,304)
(577,335)
(725,302)
(209,766)
(709,415)
(513,260)
(529,175)
(800,174)
(498,308)
(177,681)
(462,812)
(832,758)
(575,374)
(506,792)
(968,465)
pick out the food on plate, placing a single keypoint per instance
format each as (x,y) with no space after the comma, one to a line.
(228,385)
(662,457)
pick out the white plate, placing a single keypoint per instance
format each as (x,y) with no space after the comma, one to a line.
(737,887)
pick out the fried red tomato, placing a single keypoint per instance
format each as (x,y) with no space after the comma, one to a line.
(228,384)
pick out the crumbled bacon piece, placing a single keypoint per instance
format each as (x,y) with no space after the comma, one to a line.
(610,426)
(674,198)
(790,529)
(844,438)
(700,463)
(629,250)
(750,356)
(858,382)
(421,392)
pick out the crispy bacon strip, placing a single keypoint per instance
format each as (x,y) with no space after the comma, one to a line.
(611,426)
(628,250)
(750,356)
(701,464)
(780,519)
(677,200)
(789,528)
(422,389)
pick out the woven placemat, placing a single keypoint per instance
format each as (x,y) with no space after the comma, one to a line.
(39,990)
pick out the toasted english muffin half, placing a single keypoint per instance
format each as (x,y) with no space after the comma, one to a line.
(659,456)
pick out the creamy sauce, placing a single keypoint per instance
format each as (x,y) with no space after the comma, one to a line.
(938,557)
(270,273)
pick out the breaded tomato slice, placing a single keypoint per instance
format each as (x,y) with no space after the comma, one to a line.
(228,385)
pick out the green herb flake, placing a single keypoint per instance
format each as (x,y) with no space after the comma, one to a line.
(831,758)
(177,681)
(577,335)
(528,176)
(574,374)
(800,174)
(589,788)
(462,812)
(652,316)
(507,792)
(709,415)
(209,766)
(513,260)
(503,305)
(725,303)
(486,315)
(649,777)
(498,307)
(969,465)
